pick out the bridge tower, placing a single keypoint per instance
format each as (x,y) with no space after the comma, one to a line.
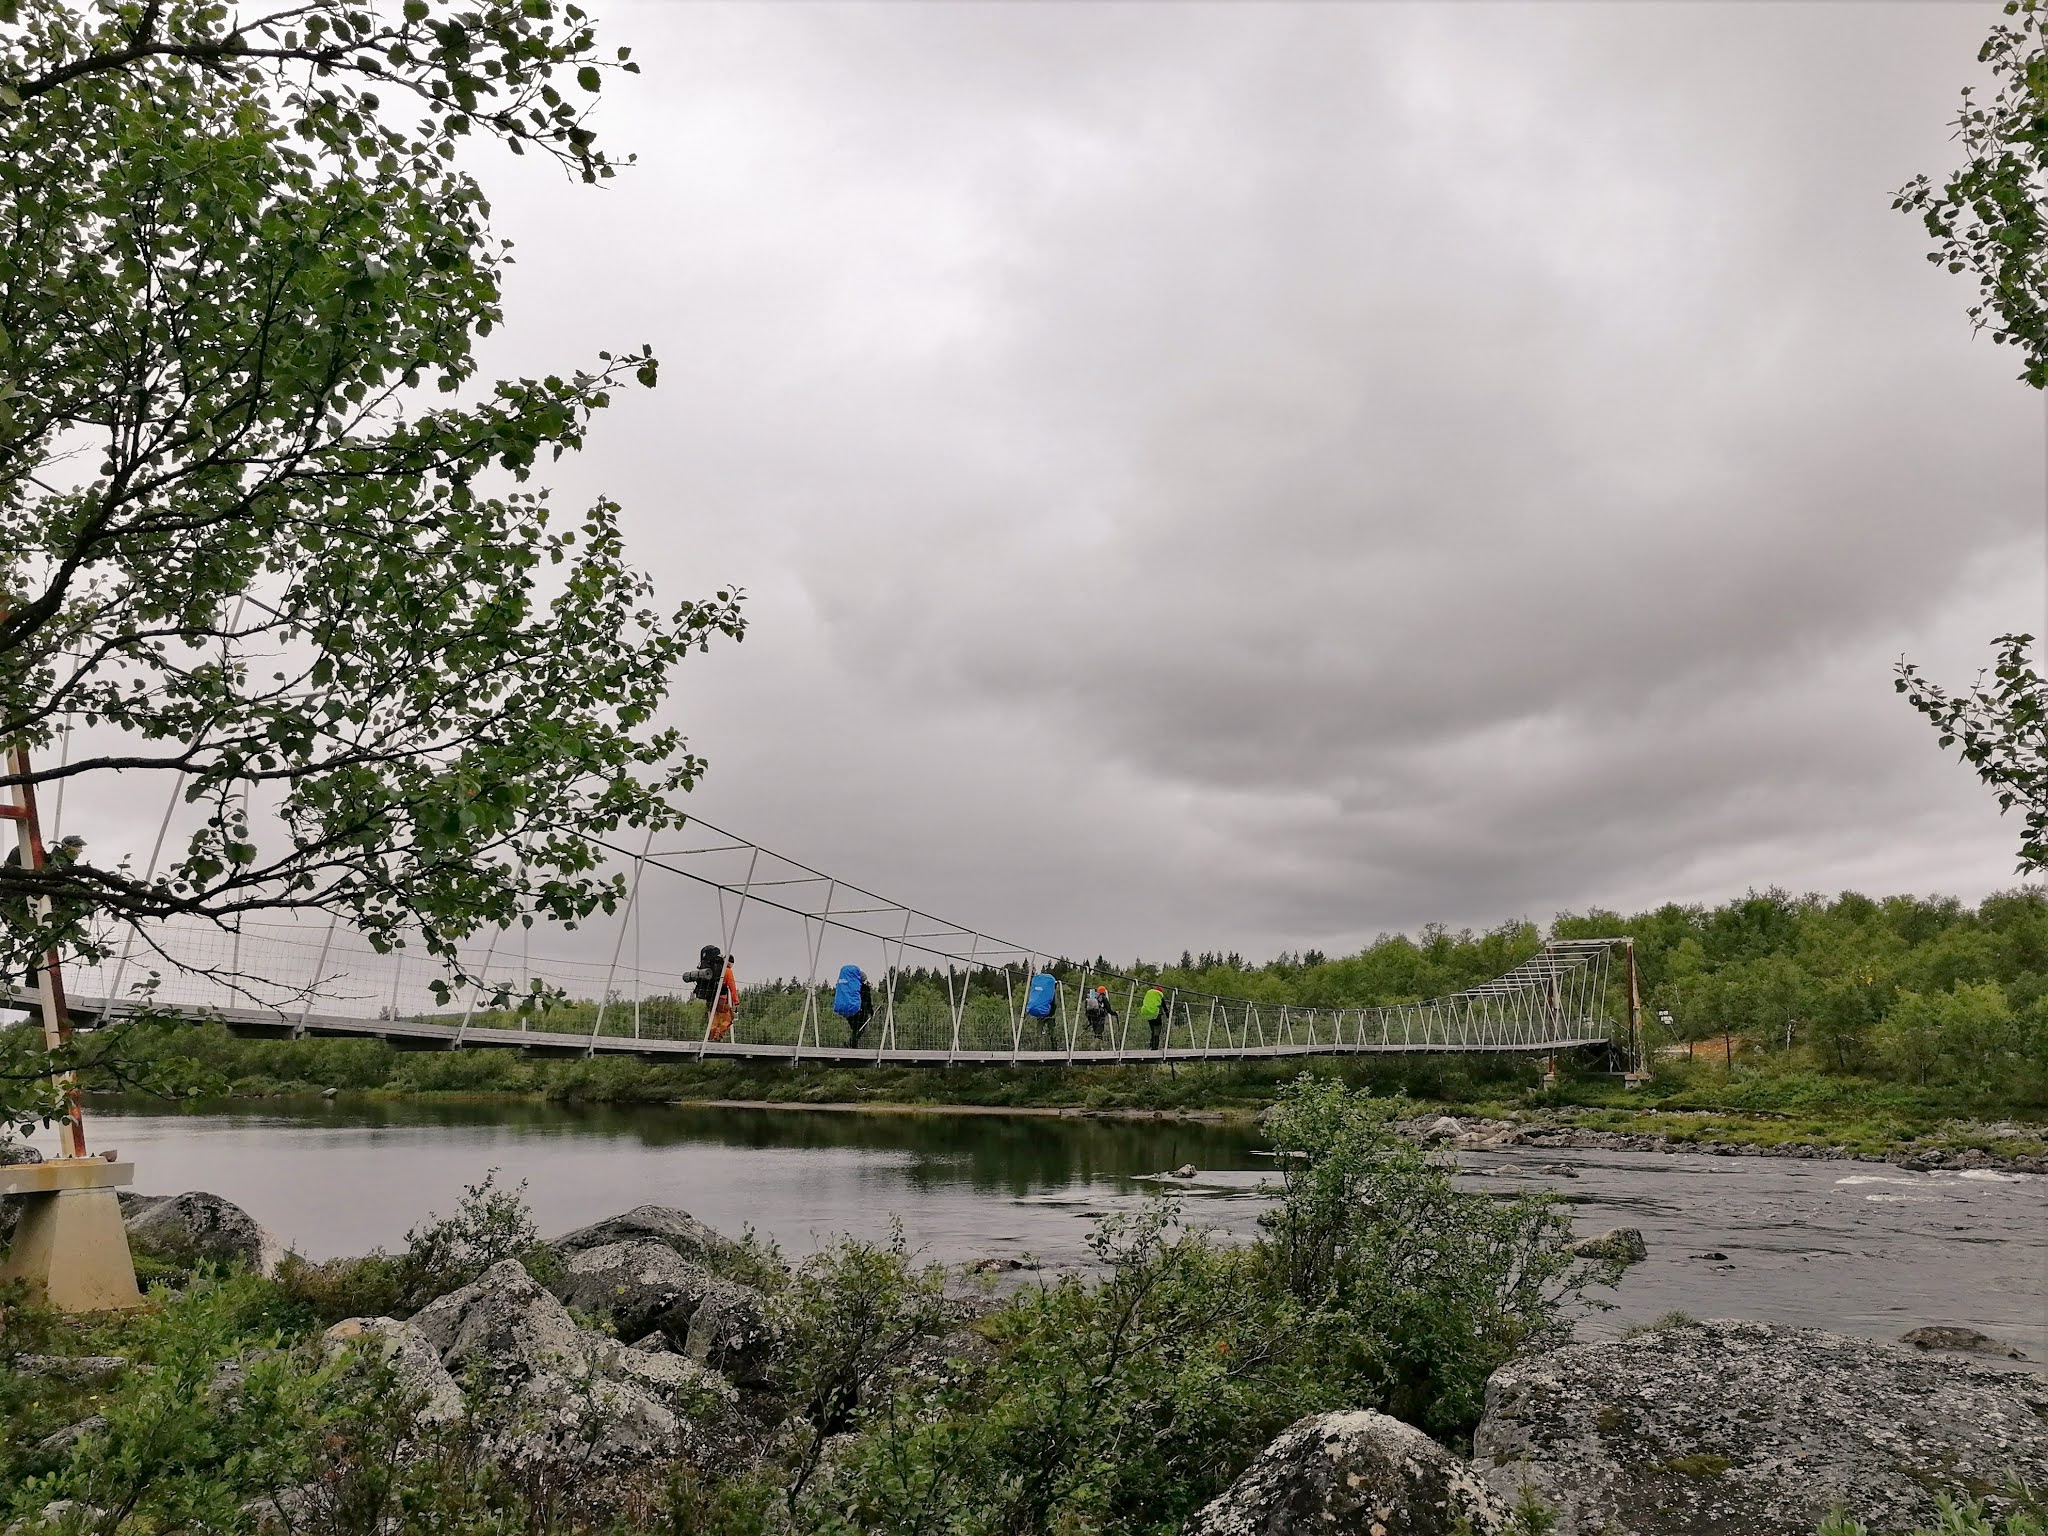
(69,1244)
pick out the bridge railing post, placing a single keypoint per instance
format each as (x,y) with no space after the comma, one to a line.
(604,997)
(476,988)
(1080,1010)
(960,1010)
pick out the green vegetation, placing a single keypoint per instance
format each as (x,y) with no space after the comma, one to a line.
(1964,1518)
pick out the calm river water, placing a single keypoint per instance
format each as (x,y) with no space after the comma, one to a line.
(1857,1247)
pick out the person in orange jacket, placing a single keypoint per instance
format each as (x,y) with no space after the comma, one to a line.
(727,1008)
(714,985)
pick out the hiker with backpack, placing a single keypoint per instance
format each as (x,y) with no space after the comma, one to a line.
(1040,998)
(1098,1010)
(1153,1011)
(854,1001)
(714,984)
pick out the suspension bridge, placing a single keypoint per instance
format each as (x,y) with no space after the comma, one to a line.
(942,993)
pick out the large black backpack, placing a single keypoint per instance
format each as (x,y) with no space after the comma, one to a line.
(710,966)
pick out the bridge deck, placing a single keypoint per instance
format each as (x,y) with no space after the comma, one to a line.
(422,1034)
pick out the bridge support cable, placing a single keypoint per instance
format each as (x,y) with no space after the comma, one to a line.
(319,975)
(477,984)
(817,948)
(604,999)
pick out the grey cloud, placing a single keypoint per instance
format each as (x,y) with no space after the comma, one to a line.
(1257,476)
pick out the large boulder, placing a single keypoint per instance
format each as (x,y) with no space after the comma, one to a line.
(415,1365)
(642,1287)
(197,1227)
(676,1230)
(1750,1429)
(730,1333)
(553,1393)
(1352,1472)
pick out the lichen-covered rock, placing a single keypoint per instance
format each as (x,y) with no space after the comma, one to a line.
(536,1377)
(505,1324)
(1352,1472)
(1966,1341)
(64,1439)
(196,1226)
(730,1333)
(553,1393)
(415,1364)
(1623,1245)
(678,1231)
(641,1286)
(1750,1429)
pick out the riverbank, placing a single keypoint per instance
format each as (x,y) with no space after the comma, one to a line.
(646,1371)
(1765,1107)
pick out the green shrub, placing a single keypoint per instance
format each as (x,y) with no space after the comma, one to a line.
(1411,1291)
(849,1318)
(1123,1404)
(2029,1517)
(447,1252)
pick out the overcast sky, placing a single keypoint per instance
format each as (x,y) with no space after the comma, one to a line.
(1255,476)
(1251,476)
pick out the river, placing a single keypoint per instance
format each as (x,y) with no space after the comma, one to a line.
(1857,1247)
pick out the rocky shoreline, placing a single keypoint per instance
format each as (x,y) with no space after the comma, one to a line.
(1481,1135)
(1687,1429)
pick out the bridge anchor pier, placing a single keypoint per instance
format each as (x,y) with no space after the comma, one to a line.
(69,1244)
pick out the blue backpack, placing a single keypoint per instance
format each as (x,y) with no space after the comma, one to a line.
(1039,999)
(846,995)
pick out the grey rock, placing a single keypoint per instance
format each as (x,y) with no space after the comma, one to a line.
(87,1368)
(14,1153)
(1963,1340)
(198,1226)
(70,1435)
(730,1333)
(551,1393)
(288,1509)
(642,1286)
(1622,1245)
(56,1513)
(688,1237)
(1443,1128)
(415,1364)
(1351,1472)
(504,1323)
(683,1386)
(1749,1429)
(1185,1171)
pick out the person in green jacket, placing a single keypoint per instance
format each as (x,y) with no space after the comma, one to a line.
(1153,1011)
